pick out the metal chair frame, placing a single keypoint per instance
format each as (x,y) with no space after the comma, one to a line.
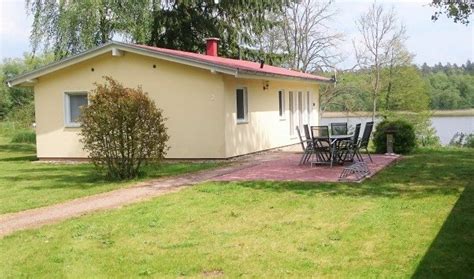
(350,146)
(364,142)
(322,146)
(307,147)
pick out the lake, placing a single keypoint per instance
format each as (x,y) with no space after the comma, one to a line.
(446,126)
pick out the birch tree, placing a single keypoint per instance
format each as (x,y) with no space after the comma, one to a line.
(380,33)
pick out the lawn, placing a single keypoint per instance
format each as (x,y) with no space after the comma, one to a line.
(415,219)
(26,183)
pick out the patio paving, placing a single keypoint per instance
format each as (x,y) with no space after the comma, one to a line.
(283,166)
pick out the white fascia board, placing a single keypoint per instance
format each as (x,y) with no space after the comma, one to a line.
(109,47)
(256,75)
(118,47)
(61,64)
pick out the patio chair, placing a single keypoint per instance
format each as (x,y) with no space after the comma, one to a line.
(339,128)
(307,146)
(351,146)
(307,134)
(364,142)
(322,146)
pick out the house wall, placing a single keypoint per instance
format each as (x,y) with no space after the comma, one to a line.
(191,98)
(264,129)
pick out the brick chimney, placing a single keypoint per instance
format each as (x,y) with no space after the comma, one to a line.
(211,46)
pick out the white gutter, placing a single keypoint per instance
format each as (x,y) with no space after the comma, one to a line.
(259,75)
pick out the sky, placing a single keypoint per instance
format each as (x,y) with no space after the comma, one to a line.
(431,42)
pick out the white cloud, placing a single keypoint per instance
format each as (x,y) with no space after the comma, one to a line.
(14,28)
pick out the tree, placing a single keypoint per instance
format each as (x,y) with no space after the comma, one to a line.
(122,129)
(307,39)
(398,59)
(12,99)
(302,33)
(380,34)
(349,94)
(185,24)
(69,27)
(405,91)
(459,11)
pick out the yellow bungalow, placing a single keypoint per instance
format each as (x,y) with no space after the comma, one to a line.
(216,107)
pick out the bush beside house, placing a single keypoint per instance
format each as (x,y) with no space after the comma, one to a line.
(122,129)
(404,136)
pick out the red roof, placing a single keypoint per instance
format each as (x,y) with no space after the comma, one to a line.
(240,65)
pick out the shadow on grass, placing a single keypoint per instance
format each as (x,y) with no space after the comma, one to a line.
(85,176)
(19,159)
(17,148)
(451,254)
(86,180)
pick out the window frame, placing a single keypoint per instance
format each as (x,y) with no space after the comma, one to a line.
(246,106)
(282,104)
(67,107)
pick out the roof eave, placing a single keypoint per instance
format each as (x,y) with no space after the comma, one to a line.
(258,75)
(22,80)
(30,78)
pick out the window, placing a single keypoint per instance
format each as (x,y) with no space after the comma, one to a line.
(242,105)
(281,104)
(73,103)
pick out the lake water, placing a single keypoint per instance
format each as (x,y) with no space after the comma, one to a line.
(446,126)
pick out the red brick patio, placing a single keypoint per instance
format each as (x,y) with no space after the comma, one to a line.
(283,166)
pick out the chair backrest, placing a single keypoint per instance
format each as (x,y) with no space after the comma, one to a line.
(364,142)
(301,139)
(355,137)
(306,132)
(339,128)
(320,136)
(320,132)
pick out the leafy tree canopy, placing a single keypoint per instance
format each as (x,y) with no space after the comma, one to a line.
(437,87)
(460,11)
(12,99)
(68,27)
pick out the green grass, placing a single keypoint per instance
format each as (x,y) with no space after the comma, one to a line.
(24,137)
(26,184)
(415,219)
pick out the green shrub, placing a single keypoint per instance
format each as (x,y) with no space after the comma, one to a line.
(469,141)
(462,140)
(24,137)
(23,116)
(404,138)
(122,129)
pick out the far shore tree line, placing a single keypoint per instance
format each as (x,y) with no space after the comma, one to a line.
(443,87)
